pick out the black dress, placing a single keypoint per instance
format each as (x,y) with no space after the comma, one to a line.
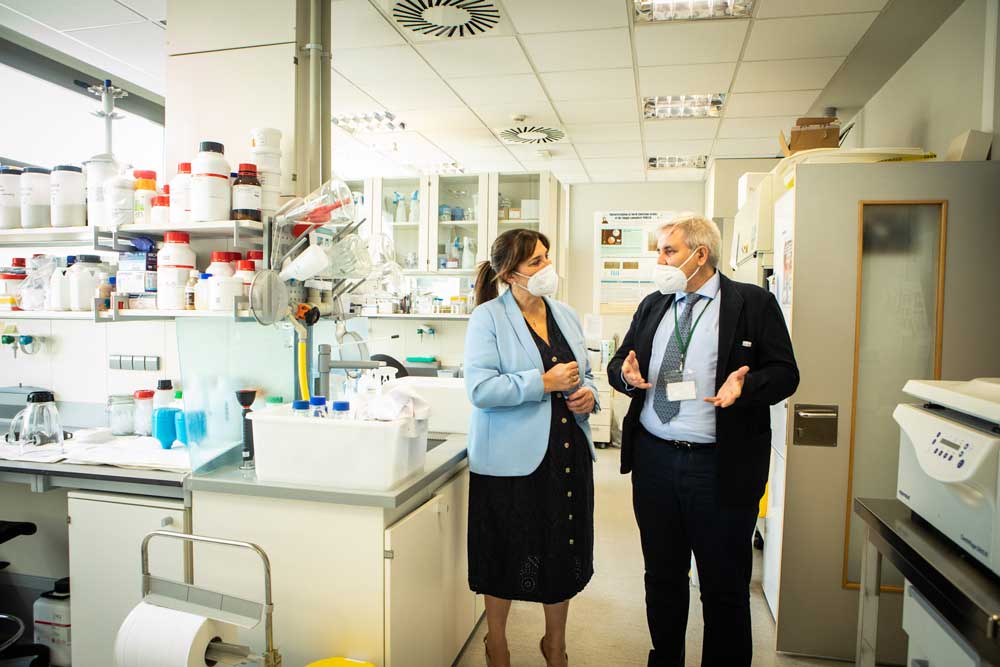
(532,538)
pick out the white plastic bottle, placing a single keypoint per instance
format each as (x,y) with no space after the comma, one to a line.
(202,293)
(163,397)
(67,192)
(119,201)
(35,199)
(84,278)
(174,262)
(58,294)
(52,623)
(180,195)
(222,292)
(210,191)
(220,265)
(10,197)
(246,274)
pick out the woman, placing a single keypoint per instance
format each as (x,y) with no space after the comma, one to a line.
(531,496)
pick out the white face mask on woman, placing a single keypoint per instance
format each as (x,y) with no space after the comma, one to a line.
(542,283)
(670,279)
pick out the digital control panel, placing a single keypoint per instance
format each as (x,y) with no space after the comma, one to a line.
(950,449)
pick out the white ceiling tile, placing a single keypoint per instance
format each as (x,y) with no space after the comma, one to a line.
(497,90)
(606,164)
(747,147)
(467,153)
(484,56)
(382,63)
(72,15)
(589,49)
(690,42)
(557,166)
(675,174)
(154,10)
(557,153)
(480,136)
(508,166)
(590,84)
(348,98)
(144,45)
(448,120)
(807,37)
(603,132)
(789,103)
(496,113)
(771,75)
(531,16)
(614,149)
(680,128)
(413,94)
(622,176)
(609,111)
(686,79)
(678,147)
(778,8)
(755,128)
(357,24)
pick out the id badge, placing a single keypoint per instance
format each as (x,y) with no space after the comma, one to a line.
(681,385)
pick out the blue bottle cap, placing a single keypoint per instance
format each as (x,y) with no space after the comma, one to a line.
(341,406)
(206,276)
(300,405)
(317,400)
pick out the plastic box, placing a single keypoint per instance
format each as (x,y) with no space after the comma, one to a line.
(370,455)
(449,404)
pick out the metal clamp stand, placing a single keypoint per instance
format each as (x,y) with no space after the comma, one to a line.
(220,607)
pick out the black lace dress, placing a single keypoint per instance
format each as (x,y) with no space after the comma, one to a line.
(532,538)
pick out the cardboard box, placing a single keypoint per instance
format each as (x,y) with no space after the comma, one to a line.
(503,213)
(515,214)
(136,282)
(142,302)
(810,133)
(970,145)
(137,261)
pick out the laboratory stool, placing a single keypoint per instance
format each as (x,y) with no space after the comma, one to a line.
(340,662)
(8,531)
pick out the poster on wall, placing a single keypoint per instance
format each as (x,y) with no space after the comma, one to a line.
(626,242)
(784,253)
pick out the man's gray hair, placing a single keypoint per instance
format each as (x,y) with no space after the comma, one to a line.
(698,230)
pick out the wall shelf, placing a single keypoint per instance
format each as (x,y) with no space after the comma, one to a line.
(417,316)
(243,233)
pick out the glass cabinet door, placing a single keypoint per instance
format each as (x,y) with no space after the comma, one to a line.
(518,202)
(458,222)
(400,206)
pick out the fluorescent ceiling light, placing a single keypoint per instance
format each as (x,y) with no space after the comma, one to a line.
(691,10)
(376,121)
(678,162)
(683,106)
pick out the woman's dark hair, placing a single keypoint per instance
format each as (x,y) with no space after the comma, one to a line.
(510,249)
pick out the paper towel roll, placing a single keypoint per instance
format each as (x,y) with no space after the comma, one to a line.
(153,636)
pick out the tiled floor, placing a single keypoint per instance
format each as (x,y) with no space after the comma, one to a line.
(607,623)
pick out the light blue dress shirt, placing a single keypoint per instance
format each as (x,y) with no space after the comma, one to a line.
(695,420)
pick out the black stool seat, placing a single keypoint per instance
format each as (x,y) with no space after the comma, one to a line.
(11,529)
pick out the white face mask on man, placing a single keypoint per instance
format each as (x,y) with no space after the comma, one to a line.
(670,279)
(542,283)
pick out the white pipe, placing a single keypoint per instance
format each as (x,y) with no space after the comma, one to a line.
(315,84)
(108,107)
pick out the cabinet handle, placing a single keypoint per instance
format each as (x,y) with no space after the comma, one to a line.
(166,521)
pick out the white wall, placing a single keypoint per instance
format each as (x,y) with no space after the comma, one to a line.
(586,199)
(938,93)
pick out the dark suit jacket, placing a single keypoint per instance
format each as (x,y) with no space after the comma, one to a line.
(743,430)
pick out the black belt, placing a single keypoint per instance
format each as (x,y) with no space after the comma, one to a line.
(684,444)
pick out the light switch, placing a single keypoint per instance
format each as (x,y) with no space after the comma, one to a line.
(115,362)
(126,362)
(151,363)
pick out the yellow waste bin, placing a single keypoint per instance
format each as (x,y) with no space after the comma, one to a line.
(340,662)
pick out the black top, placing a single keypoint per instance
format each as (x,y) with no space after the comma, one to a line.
(211,146)
(41,397)
(964,591)
(743,430)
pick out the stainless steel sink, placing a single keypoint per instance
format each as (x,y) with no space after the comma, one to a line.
(433,442)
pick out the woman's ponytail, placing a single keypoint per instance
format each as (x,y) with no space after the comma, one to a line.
(486,283)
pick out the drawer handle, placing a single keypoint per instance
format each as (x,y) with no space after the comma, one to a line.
(166,521)
(805,414)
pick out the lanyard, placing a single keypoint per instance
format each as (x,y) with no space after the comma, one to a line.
(685,344)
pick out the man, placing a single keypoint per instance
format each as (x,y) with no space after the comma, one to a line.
(703,360)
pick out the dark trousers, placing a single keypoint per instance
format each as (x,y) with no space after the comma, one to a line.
(676,500)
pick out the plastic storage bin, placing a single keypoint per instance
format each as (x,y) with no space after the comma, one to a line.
(368,455)
(449,403)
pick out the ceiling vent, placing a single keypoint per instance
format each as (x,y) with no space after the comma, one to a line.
(531,134)
(446,18)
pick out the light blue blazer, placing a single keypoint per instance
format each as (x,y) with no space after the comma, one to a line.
(511,413)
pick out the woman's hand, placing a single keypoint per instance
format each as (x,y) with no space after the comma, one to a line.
(581,401)
(561,377)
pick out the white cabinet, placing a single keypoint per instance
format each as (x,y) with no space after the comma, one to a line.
(600,423)
(105,533)
(459,232)
(429,610)
(401,214)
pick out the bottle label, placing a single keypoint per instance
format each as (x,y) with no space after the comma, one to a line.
(246,197)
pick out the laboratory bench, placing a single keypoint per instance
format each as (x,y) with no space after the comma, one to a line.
(380,576)
(957,590)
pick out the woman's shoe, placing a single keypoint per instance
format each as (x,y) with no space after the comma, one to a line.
(541,647)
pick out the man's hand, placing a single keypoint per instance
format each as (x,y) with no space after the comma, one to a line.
(581,401)
(731,389)
(631,372)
